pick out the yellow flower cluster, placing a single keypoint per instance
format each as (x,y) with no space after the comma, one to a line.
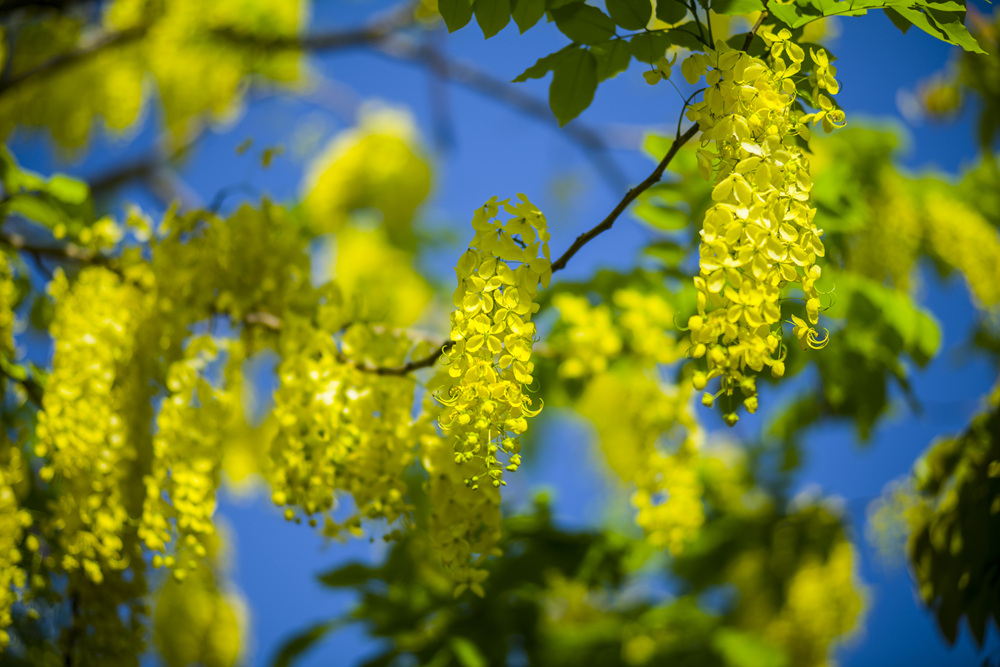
(823,605)
(187,453)
(386,435)
(196,622)
(489,364)
(196,71)
(377,279)
(464,522)
(590,338)
(964,239)
(647,320)
(13,523)
(759,235)
(889,246)
(8,294)
(341,429)
(375,166)
(82,429)
(633,414)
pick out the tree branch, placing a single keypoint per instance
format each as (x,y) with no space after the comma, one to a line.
(650,181)
(273,322)
(68,251)
(584,238)
(396,19)
(591,142)
(61,62)
(630,196)
(31,387)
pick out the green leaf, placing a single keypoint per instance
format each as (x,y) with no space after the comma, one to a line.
(787,14)
(574,81)
(346,576)
(38,209)
(467,653)
(736,7)
(545,64)
(612,58)
(15,179)
(456,13)
(686,35)
(671,11)
(630,14)
(68,190)
(649,47)
(527,13)
(952,24)
(584,24)
(492,16)
(662,217)
(743,649)
(301,642)
(669,252)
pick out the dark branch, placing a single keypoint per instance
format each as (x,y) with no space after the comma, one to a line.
(12,6)
(67,251)
(400,17)
(273,322)
(61,62)
(630,196)
(31,387)
(464,74)
(650,181)
(406,368)
(113,179)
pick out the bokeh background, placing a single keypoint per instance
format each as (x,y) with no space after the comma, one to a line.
(483,147)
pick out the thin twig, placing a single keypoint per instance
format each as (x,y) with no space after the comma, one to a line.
(398,18)
(651,180)
(630,196)
(61,62)
(273,322)
(590,141)
(68,251)
(406,368)
(587,236)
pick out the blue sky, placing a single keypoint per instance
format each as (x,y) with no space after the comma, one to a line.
(492,150)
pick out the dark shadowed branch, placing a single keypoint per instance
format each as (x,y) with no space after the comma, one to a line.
(73,58)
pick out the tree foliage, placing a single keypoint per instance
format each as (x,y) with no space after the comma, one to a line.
(778,256)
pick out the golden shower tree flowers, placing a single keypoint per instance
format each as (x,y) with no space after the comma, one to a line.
(464,521)
(185,475)
(341,430)
(488,366)
(83,429)
(651,439)
(14,521)
(759,236)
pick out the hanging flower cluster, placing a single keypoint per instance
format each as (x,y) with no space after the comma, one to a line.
(13,522)
(187,457)
(464,522)
(82,428)
(489,363)
(8,296)
(341,429)
(587,338)
(964,239)
(650,437)
(759,236)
